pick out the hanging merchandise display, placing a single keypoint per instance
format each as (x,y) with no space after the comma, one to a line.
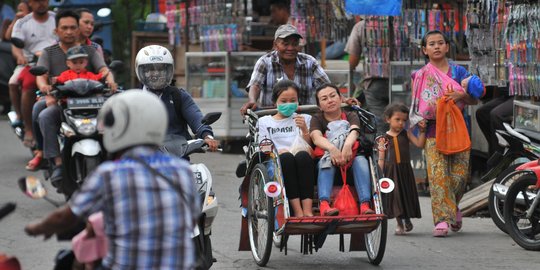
(212,23)
(522,36)
(485,37)
(321,19)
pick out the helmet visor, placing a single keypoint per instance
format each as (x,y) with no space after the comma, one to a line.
(155,76)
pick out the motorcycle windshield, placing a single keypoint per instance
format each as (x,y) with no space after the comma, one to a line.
(80,88)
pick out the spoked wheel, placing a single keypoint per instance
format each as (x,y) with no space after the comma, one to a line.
(376,242)
(260,216)
(496,205)
(524,230)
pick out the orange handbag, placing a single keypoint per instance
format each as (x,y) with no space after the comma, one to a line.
(451,135)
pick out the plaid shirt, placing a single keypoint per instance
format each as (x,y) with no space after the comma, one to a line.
(308,75)
(147,224)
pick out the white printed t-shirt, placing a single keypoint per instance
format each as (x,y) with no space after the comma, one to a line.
(35,35)
(282,132)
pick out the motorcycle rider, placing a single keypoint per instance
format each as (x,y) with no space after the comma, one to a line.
(54,59)
(147,197)
(36,31)
(154,66)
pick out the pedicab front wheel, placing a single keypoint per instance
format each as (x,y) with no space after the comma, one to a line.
(260,216)
(376,242)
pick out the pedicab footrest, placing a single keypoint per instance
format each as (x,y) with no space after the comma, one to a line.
(344,224)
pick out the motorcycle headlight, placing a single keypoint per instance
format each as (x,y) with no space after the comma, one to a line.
(84,126)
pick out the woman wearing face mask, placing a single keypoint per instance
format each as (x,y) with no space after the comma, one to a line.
(282,128)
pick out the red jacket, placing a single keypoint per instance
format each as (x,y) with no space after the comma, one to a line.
(70,75)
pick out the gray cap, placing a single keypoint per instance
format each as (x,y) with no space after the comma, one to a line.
(286,30)
(76,52)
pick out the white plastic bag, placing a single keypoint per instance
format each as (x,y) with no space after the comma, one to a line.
(299,144)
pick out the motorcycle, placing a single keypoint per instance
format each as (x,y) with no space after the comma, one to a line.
(208,200)
(522,207)
(517,147)
(6,262)
(80,142)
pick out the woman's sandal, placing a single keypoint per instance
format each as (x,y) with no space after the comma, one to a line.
(441,229)
(399,231)
(459,222)
(34,164)
(408,226)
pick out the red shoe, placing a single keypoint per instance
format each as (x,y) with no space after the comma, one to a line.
(34,164)
(365,209)
(326,210)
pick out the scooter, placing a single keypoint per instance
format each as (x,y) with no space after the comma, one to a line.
(80,142)
(517,148)
(522,207)
(7,262)
(208,199)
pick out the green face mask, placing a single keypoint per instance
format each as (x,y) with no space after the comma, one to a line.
(287,109)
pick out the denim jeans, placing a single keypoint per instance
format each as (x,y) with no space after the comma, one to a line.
(362,181)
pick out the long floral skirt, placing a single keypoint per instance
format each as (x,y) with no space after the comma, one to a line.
(447,176)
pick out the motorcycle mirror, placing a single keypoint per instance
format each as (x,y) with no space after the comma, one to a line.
(32,187)
(210,118)
(17,42)
(38,70)
(116,65)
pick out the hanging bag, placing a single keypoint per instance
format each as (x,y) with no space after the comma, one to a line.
(451,135)
(345,201)
(299,144)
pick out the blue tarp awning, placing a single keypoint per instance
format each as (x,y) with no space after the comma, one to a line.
(374,7)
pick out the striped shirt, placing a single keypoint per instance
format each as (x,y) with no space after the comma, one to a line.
(146,222)
(308,75)
(54,59)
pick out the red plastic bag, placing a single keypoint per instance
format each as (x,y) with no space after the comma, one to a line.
(451,135)
(345,201)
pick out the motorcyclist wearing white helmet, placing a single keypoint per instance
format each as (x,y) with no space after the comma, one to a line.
(154,66)
(147,197)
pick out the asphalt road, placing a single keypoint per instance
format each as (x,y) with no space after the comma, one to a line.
(480,245)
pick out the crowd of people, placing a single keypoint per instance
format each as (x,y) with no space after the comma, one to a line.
(283,78)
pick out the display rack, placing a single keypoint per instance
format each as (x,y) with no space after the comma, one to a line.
(217,81)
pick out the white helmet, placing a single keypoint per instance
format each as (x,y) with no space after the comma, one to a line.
(132,118)
(154,66)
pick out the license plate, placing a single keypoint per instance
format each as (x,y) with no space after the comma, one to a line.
(90,102)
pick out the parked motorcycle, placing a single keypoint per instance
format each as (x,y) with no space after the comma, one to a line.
(517,147)
(80,142)
(208,200)
(522,207)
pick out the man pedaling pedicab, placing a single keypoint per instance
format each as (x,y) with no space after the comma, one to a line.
(154,66)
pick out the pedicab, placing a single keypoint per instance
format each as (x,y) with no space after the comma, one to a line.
(266,219)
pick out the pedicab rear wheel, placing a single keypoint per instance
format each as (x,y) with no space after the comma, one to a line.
(376,242)
(260,216)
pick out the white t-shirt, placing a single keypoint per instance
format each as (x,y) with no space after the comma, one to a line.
(281,132)
(35,35)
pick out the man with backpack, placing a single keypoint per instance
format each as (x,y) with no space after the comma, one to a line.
(154,66)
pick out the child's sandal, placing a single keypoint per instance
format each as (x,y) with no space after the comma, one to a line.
(399,231)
